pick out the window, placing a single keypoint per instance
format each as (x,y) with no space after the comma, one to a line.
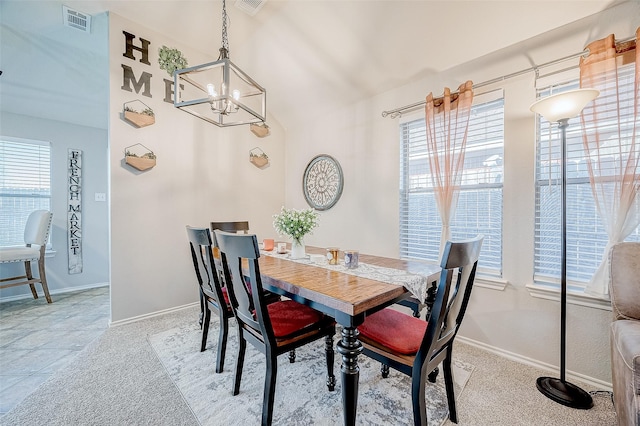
(586,236)
(25,185)
(479,208)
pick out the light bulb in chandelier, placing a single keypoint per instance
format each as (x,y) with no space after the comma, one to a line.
(225,105)
(211,90)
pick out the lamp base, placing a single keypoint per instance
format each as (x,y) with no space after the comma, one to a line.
(564,393)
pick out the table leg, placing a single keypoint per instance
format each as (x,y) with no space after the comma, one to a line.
(350,347)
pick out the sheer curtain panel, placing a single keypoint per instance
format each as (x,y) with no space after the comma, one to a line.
(447,124)
(610,137)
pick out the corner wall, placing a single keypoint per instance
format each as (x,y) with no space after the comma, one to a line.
(202,174)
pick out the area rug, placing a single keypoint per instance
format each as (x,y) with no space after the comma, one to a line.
(302,397)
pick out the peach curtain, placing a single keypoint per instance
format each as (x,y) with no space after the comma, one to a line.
(447,122)
(613,149)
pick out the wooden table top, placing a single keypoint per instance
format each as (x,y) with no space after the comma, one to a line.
(349,294)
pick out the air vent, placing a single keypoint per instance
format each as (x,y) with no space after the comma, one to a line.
(250,7)
(78,20)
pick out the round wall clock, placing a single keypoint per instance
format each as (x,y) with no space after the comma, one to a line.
(322,182)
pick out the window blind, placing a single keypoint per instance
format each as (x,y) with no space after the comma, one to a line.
(586,236)
(25,185)
(479,208)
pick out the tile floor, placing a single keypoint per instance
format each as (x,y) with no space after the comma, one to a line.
(37,338)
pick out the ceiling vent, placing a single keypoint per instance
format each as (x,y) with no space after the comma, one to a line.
(74,19)
(250,7)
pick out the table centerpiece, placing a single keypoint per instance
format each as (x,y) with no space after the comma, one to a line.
(295,224)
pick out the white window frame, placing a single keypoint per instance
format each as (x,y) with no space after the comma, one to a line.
(426,246)
(581,261)
(29,168)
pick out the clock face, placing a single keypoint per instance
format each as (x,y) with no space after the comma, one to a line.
(322,182)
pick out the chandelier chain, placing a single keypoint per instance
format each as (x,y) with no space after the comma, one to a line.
(225,20)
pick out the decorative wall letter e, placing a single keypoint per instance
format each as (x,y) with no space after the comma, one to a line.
(74,212)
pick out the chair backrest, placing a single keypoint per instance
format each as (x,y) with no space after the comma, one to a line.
(233,227)
(459,257)
(624,283)
(249,306)
(204,265)
(36,231)
(242,226)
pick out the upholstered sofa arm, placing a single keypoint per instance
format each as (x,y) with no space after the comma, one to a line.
(624,259)
(625,366)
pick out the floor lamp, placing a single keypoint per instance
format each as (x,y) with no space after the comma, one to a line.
(559,109)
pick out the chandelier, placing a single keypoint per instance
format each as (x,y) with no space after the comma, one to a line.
(219,92)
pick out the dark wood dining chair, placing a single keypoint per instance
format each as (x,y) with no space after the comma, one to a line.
(212,294)
(273,328)
(241,227)
(237,227)
(415,347)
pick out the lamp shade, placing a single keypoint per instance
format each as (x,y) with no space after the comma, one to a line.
(565,105)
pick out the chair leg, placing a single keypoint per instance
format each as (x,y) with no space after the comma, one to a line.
(384,371)
(269,389)
(417,397)
(29,275)
(205,328)
(330,355)
(448,383)
(202,309)
(222,342)
(242,346)
(433,375)
(43,279)
(292,356)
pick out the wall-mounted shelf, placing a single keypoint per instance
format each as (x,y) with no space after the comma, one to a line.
(138,113)
(258,157)
(139,157)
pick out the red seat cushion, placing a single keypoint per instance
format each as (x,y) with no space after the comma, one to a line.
(225,294)
(399,332)
(288,316)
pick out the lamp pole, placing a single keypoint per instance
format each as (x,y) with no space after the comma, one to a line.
(562,125)
(560,108)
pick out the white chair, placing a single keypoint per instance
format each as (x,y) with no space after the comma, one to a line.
(36,232)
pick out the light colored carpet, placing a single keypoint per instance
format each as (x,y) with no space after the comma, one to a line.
(116,380)
(119,380)
(302,397)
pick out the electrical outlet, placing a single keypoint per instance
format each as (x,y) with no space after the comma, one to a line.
(101,196)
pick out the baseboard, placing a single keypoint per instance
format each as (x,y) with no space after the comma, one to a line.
(152,314)
(52,292)
(571,375)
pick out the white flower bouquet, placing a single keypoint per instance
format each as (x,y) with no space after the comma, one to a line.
(295,223)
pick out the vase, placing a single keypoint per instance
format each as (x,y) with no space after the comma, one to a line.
(297,250)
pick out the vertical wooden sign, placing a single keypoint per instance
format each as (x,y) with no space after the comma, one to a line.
(74,212)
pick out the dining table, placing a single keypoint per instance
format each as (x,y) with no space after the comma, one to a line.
(346,295)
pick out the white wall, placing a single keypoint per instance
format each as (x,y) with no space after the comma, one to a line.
(202,174)
(95,234)
(366,217)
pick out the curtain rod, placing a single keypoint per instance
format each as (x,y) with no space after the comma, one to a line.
(394,113)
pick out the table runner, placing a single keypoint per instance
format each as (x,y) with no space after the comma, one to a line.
(416,284)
